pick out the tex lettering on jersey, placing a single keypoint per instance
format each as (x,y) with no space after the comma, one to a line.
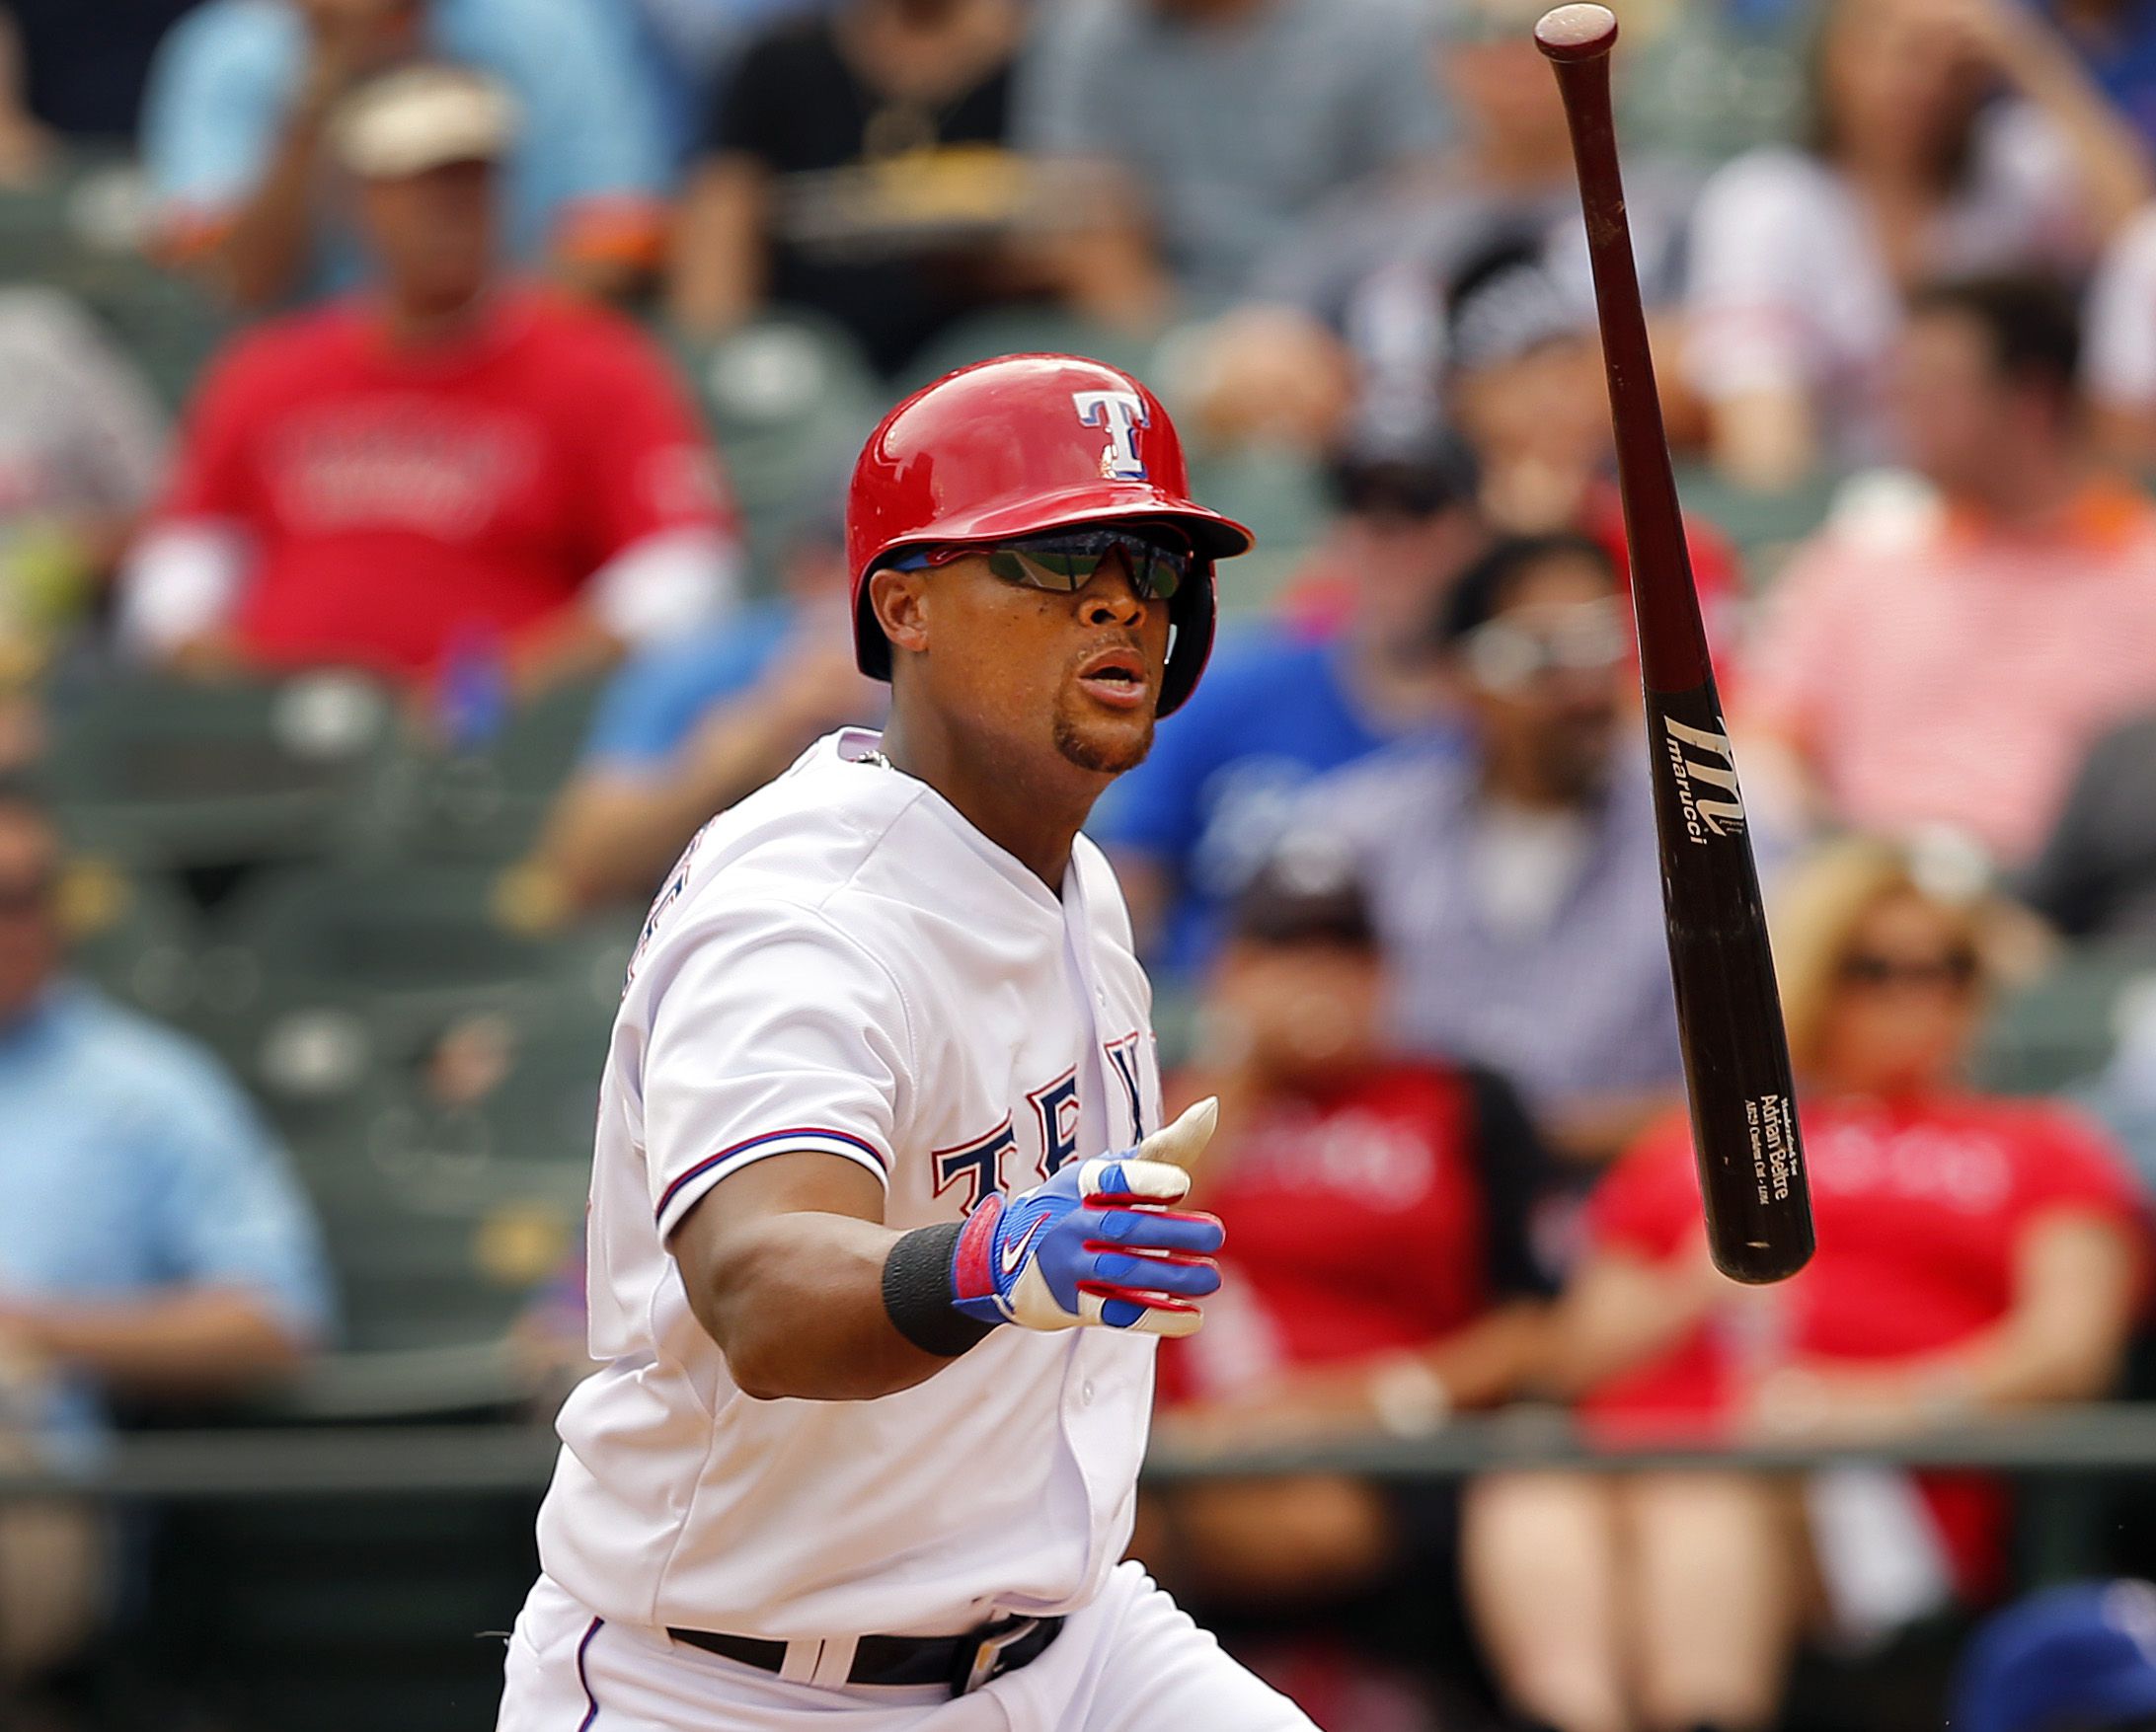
(976,1166)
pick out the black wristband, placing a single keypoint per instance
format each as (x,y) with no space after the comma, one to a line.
(918,1295)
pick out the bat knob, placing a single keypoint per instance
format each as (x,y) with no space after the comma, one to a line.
(1577,33)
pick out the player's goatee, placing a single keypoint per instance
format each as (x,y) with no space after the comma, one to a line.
(1105,755)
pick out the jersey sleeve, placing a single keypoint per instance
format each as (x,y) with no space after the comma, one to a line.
(1648,1204)
(772,1032)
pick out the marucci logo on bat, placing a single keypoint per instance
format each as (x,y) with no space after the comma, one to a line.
(1720,812)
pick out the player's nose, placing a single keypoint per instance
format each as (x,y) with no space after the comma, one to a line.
(1108,597)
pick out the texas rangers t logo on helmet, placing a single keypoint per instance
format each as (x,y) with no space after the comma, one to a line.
(1122,413)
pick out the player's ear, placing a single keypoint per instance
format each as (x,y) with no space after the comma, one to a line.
(898,600)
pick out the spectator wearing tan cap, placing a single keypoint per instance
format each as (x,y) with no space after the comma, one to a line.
(454,464)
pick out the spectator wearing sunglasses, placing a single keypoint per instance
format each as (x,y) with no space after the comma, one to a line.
(1515,883)
(1976,1254)
(1349,669)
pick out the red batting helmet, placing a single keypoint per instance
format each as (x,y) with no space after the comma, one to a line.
(1019,445)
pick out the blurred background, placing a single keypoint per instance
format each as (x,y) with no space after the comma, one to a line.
(424,427)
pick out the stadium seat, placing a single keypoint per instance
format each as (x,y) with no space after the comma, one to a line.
(406,944)
(325,976)
(81,229)
(1029,329)
(162,773)
(789,398)
(134,934)
(2059,1029)
(431,1247)
(485,805)
(1283,498)
(1766,527)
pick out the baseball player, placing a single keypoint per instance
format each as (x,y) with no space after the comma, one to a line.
(883,1213)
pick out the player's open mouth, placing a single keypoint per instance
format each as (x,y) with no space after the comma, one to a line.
(1117,678)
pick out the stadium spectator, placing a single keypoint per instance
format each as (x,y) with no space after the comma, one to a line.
(1950,666)
(82,451)
(1493,871)
(1975,1255)
(1426,1169)
(691,44)
(2078,1658)
(237,124)
(454,467)
(684,730)
(1374,265)
(1289,700)
(1800,258)
(152,1246)
(854,163)
(83,68)
(1524,387)
(2095,876)
(1339,1154)
(1228,122)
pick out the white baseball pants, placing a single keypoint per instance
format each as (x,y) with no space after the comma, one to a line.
(1132,1661)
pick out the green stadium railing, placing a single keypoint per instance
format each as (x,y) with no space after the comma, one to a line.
(425,1460)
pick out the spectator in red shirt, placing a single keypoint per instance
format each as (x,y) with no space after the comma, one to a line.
(1421,1177)
(1976,1254)
(451,465)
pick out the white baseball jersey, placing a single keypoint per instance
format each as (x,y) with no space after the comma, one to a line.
(843,963)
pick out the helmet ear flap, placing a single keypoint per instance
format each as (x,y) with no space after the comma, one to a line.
(1193,614)
(872,649)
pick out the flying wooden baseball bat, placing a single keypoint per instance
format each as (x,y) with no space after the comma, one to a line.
(1751,1164)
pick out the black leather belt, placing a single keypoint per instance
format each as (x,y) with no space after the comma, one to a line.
(964,1662)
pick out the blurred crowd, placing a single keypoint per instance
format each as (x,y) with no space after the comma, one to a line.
(422,428)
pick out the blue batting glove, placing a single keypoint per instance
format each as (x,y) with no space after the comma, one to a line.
(1097,1244)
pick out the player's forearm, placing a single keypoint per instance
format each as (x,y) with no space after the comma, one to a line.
(797,1309)
(182,1342)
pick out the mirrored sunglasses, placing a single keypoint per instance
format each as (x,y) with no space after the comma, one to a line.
(1064,560)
